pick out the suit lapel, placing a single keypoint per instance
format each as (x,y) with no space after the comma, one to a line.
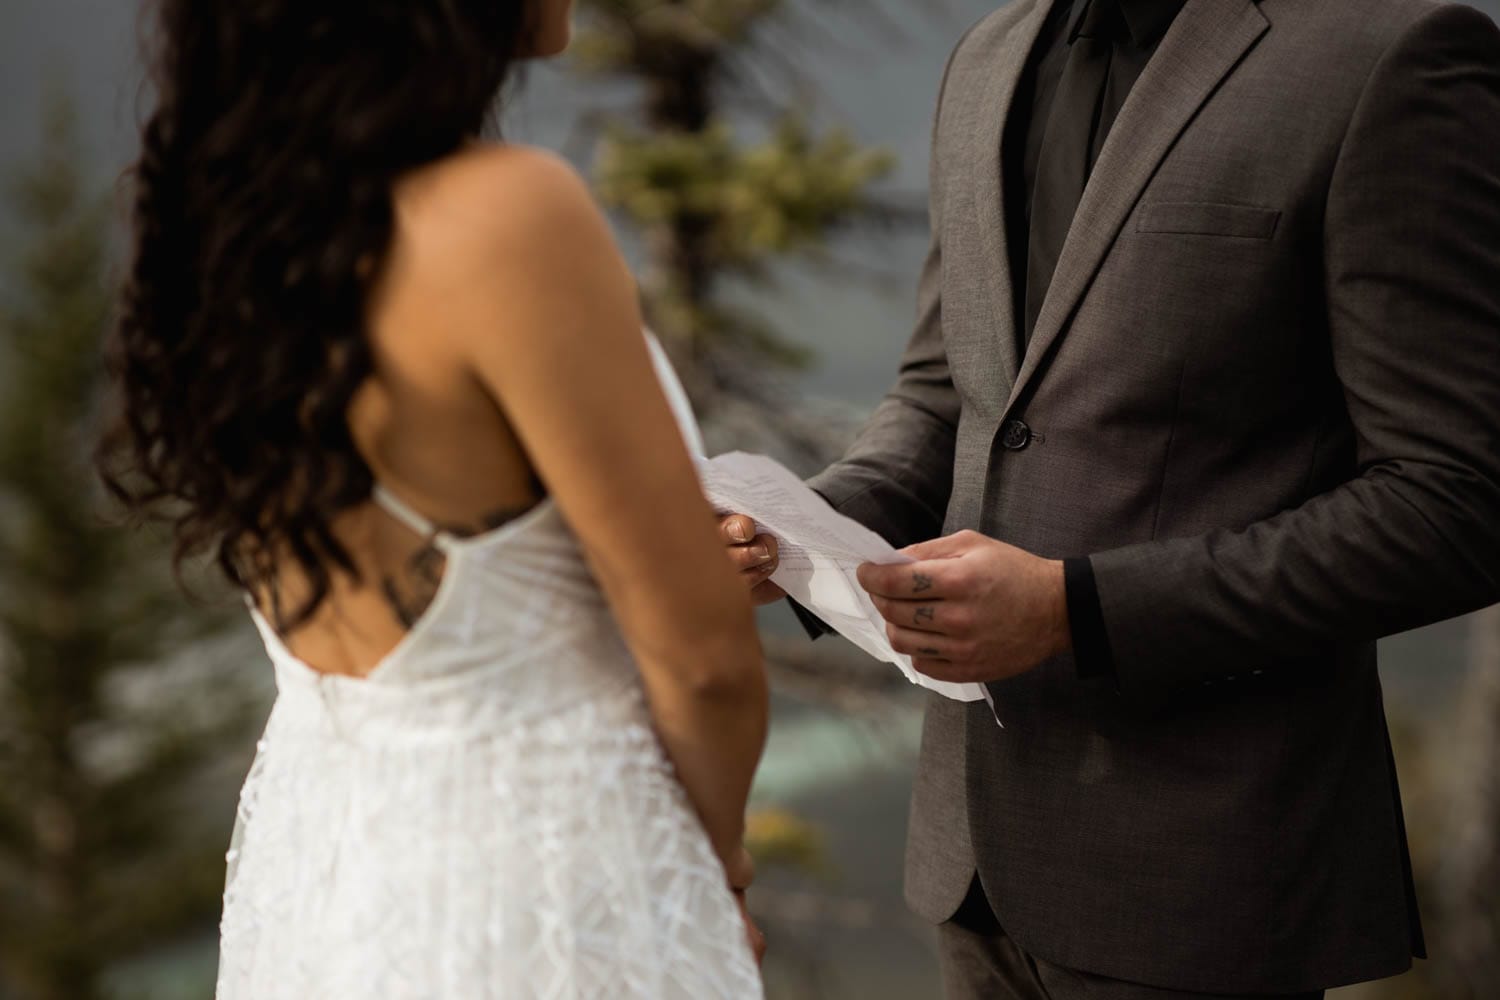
(1206,42)
(986,110)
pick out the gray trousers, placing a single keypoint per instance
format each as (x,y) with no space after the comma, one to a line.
(980,962)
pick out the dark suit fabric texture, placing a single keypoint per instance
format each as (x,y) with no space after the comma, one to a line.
(1262,399)
(979,961)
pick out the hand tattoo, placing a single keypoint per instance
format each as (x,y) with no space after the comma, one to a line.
(920,582)
(925,615)
(928,652)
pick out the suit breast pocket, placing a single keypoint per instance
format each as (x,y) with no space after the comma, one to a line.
(1203,218)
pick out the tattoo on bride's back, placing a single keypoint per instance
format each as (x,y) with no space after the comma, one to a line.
(411,590)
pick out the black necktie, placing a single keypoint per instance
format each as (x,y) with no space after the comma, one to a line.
(1063,164)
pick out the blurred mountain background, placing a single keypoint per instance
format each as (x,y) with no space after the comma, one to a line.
(832,797)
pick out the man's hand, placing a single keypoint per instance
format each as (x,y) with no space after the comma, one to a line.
(972,609)
(755,556)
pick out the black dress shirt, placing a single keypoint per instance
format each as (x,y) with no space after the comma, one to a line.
(1139,27)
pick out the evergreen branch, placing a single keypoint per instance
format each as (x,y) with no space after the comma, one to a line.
(92,785)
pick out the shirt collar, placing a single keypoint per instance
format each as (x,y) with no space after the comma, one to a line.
(1147,20)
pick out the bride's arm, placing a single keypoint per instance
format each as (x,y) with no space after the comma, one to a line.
(554,335)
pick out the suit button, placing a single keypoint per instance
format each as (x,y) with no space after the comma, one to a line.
(1015,435)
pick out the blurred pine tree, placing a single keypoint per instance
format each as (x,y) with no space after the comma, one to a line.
(718,204)
(104,736)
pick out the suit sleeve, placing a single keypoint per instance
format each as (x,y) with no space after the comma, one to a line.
(1412,257)
(897,476)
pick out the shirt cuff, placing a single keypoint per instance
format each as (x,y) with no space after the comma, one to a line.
(1086,615)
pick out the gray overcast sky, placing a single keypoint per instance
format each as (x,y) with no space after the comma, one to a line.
(885,93)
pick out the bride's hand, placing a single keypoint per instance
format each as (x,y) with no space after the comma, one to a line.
(752,933)
(755,556)
(740,867)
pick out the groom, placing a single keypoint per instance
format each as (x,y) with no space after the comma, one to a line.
(1205,397)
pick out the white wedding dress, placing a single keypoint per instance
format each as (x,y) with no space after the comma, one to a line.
(487,815)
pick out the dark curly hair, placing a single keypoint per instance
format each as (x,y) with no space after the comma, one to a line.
(261,215)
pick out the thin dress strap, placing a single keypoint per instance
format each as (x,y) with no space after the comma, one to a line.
(403,512)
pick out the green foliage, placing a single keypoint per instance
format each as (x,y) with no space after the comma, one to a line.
(737,208)
(101,735)
(714,208)
(760,200)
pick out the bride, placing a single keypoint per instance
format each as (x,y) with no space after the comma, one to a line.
(394,380)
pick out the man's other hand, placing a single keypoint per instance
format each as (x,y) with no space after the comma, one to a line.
(972,609)
(755,556)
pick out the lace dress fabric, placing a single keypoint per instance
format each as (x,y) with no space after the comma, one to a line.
(488,814)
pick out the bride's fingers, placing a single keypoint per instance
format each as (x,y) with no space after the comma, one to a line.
(757,941)
(753,934)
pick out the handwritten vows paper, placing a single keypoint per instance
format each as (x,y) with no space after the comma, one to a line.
(820,551)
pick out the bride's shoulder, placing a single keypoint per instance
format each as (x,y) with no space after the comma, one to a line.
(492,192)
(500,240)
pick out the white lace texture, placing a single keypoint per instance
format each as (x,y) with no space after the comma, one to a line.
(488,815)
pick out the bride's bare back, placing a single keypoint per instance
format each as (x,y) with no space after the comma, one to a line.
(504,314)
(428,427)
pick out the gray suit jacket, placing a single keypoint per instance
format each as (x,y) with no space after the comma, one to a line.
(1265,397)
